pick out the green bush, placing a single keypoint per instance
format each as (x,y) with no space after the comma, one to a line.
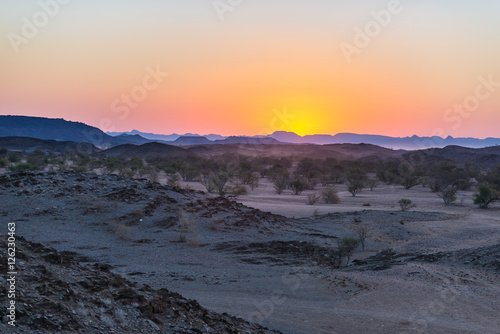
(485,196)
(298,186)
(14,157)
(23,167)
(405,204)
(346,248)
(81,169)
(448,195)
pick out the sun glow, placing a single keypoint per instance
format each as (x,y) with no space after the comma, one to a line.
(308,116)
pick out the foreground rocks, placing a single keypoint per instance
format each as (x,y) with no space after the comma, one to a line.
(56,293)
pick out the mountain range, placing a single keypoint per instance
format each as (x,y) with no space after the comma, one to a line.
(62,130)
(406,143)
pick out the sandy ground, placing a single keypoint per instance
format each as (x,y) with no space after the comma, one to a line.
(455,292)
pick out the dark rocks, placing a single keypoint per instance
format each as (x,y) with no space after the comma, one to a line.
(58,294)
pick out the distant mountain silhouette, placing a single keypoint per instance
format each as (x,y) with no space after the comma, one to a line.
(55,129)
(167,138)
(409,143)
(31,144)
(191,140)
(146,150)
(248,140)
(133,139)
(62,130)
(485,157)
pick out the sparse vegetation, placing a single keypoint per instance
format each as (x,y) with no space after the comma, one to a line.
(237,190)
(173,180)
(485,196)
(280,184)
(14,157)
(448,195)
(185,227)
(406,204)
(346,248)
(363,233)
(298,186)
(312,199)
(330,196)
(372,183)
(356,181)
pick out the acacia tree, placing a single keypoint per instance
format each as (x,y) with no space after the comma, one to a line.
(219,181)
(346,248)
(448,195)
(363,233)
(485,196)
(356,181)
(280,184)
(298,186)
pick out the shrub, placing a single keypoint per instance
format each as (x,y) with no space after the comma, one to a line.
(81,169)
(3,163)
(346,248)
(485,196)
(312,199)
(367,204)
(363,233)
(216,182)
(236,191)
(23,167)
(3,152)
(356,181)
(298,186)
(185,227)
(448,195)
(280,184)
(405,204)
(410,181)
(14,157)
(330,196)
(173,180)
(372,184)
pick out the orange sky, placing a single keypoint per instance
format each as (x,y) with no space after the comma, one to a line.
(265,60)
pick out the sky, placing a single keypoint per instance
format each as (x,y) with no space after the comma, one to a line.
(252,67)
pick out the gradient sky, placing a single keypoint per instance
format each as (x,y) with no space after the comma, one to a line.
(269,65)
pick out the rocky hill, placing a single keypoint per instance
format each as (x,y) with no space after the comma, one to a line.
(55,129)
(58,294)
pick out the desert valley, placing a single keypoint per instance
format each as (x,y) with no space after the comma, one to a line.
(337,238)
